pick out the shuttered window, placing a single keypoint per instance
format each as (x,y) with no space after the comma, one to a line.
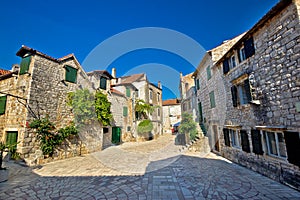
(24,67)
(208,72)
(128,92)
(226,137)
(103,82)
(71,74)
(245,141)
(225,66)
(256,142)
(198,84)
(249,47)
(292,141)
(2,104)
(125,111)
(248,90)
(212,99)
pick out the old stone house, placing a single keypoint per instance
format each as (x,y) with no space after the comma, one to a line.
(171,114)
(209,90)
(39,88)
(260,106)
(136,87)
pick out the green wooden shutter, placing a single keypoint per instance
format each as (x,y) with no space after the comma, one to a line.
(103,82)
(256,142)
(200,112)
(249,47)
(234,96)
(128,92)
(212,99)
(225,66)
(292,141)
(11,137)
(125,111)
(24,67)
(245,141)
(226,137)
(208,72)
(2,104)
(71,74)
(198,84)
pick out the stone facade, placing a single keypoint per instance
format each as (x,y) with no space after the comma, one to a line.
(257,105)
(42,92)
(171,114)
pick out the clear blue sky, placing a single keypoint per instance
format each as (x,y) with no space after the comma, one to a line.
(58,28)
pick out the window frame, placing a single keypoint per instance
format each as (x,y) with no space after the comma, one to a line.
(105,86)
(150,94)
(236,142)
(241,54)
(267,143)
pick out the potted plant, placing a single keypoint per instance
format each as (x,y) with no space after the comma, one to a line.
(3,170)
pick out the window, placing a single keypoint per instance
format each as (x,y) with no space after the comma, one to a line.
(242,55)
(137,93)
(12,138)
(127,92)
(158,97)
(128,128)
(198,84)
(158,112)
(235,138)
(241,93)
(103,83)
(184,106)
(208,72)
(275,144)
(24,67)
(232,62)
(150,94)
(249,47)
(2,104)
(245,141)
(71,74)
(256,142)
(212,99)
(105,130)
(125,111)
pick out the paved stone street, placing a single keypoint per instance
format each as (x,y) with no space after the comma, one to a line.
(149,170)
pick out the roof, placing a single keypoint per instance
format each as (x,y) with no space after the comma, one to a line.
(131,78)
(153,85)
(116,92)
(273,12)
(4,72)
(100,72)
(170,102)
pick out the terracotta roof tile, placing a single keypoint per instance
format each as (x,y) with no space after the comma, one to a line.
(130,79)
(4,72)
(170,102)
(116,92)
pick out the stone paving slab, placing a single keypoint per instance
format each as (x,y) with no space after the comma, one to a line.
(177,176)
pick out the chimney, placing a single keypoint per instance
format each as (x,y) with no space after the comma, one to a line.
(114,73)
(180,75)
(15,67)
(159,84)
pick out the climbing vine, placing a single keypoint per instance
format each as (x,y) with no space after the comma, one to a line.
(88,107)
(48,136)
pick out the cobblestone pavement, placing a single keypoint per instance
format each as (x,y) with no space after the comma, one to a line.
(150,170)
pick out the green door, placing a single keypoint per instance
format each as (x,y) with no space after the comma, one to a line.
(11,137)
(116,135)
(200,113)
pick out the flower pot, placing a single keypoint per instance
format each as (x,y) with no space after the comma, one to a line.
(4,175)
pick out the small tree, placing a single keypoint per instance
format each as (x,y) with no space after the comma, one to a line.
(188,125)
(102,107)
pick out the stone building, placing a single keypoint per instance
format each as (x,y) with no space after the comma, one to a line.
(171,114)
(136,87)
(209,90)
(39,88)
(259,110)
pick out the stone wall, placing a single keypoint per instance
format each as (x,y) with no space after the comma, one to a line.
(276,72)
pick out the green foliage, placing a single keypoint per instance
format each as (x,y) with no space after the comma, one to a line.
(102,107)
(88,107)
(143,108)
(48,136)
(188,125)
(145,126)
(83,106)
(10,148)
